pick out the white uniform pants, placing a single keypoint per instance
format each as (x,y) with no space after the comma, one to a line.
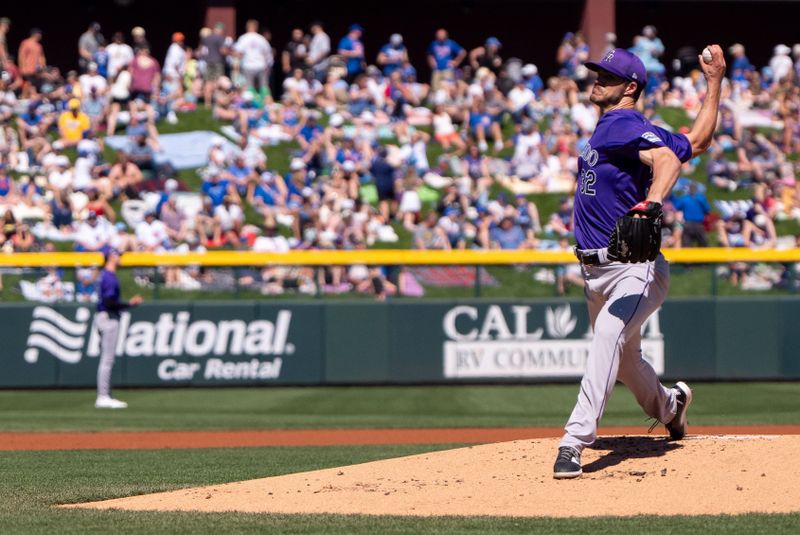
(620,299)
(108,327)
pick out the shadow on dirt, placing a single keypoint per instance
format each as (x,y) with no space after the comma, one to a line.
(621,448)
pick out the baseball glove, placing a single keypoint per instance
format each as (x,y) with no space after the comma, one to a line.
(637,239)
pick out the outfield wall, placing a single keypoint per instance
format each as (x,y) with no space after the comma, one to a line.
(203,343)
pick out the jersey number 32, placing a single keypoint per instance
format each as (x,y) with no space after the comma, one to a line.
(587,179)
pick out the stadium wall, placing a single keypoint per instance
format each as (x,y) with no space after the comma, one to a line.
(263,343)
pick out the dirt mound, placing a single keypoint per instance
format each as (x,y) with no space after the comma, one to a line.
(623,476)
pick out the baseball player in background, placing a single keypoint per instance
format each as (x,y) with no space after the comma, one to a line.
(106,320)
(628,167)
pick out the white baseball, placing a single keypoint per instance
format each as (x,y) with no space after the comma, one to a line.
(707,57)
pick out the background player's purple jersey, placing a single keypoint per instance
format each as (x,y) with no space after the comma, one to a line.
(611,178)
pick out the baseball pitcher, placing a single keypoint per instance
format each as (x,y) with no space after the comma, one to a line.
(628,167)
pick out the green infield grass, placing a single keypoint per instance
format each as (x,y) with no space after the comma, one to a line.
(363,407)
(32,483)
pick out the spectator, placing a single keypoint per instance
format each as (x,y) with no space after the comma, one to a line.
(88,45)
(5,25)
(120,55)
(175,61)
(145,77)
(256,57)
(487,55)
(94,234)
(31,62)
(352,49)
(294,53)
(444,55)
(509,235)
(214,50)
(318,50)
(695,207)
(72,124)
(92,81)
(429,235)
(393,55)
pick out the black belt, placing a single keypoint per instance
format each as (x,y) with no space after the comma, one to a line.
(592,257)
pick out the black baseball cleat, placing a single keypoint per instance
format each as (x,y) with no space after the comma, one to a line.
(568,463)
(678,426)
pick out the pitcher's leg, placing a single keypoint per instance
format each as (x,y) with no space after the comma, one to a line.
(628,305)
(639,376)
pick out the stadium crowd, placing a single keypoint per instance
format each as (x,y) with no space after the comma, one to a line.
(374,151)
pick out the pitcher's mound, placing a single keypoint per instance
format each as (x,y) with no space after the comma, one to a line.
(623,476)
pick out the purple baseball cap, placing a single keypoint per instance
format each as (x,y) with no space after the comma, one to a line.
(621,63)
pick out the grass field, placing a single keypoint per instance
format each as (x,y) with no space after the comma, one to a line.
(32,482)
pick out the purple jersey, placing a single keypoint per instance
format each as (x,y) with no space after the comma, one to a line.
(611,178)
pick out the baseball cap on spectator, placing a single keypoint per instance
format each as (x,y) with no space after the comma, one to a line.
(5,20)
(120,226)
(355,28)
(171,185)
(247,96)
(178,36)
(368,117)
(61,161)
(137,31)
(217,141)
(396,39)
(91,215)
(493,41)
(297,164)
(223,82)
(74,104)
(349,166)
(451,211)
(621,63)
(530,70)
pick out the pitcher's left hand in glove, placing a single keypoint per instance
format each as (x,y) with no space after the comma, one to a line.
(637,234)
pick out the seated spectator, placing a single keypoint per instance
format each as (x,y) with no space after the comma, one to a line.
(230,219)
(509,235)
(429,235)
(152,234)
(71,125)
(93,235)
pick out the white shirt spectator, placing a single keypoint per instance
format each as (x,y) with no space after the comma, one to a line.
(255,50)
(152,235)
(443,124)
(271,244)
(119,54)
(175,62)
(228,216)
(781,63)
(82,178)
(293,85)
(519,98)
(93,237)
(121,88)
(319,48)
(60,179)
(254,157)
(584,116)
(525,141)
(88,81)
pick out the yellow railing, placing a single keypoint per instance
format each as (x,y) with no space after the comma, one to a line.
(379,257)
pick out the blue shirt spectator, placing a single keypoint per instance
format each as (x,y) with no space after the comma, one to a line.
(444,53)
(351,47)
(393,54)
(694,205)
(215,188)
(507,235)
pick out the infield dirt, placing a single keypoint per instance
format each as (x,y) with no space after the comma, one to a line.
(623,476)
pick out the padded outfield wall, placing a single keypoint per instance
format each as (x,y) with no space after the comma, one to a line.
(315,343)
